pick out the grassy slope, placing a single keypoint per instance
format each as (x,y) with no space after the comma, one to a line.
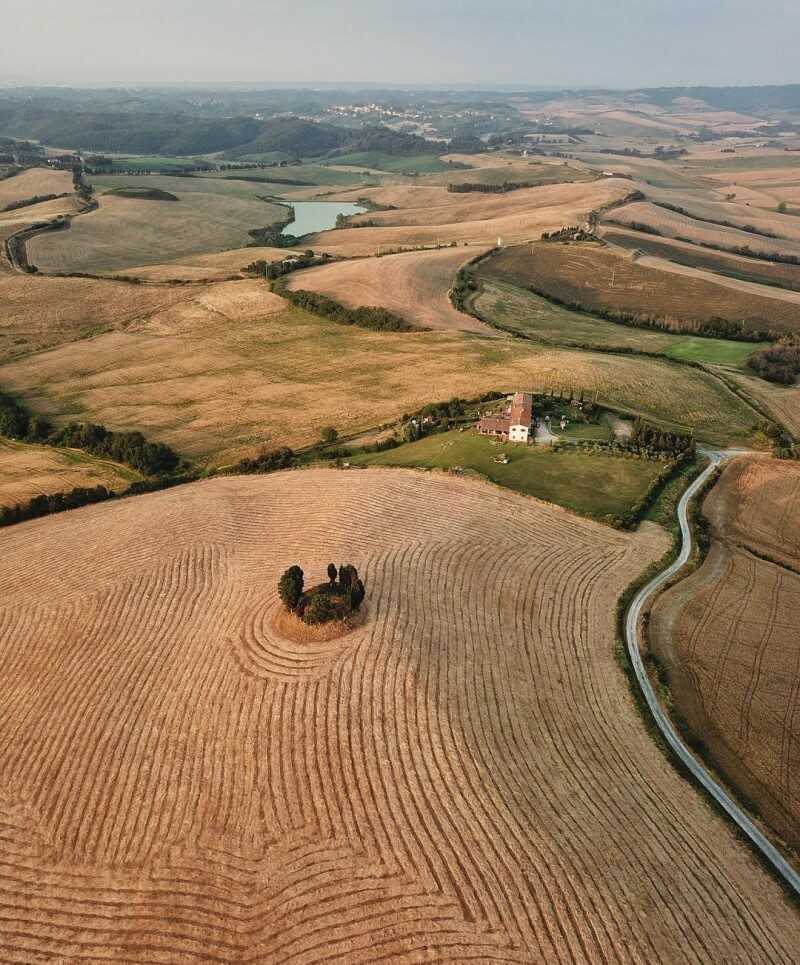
(589,483)
(522,311)
(414,164)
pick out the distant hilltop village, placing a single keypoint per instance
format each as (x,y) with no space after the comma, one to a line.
(515,424)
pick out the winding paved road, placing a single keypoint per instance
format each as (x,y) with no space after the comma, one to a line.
(701,775)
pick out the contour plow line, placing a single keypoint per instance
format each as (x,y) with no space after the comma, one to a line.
(698,771)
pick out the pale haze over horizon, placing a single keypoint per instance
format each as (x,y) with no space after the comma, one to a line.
(578,43)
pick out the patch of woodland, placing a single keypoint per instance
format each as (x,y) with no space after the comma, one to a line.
(143,194)
(779,363)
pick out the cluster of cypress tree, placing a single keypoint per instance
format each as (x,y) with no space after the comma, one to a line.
(342,595)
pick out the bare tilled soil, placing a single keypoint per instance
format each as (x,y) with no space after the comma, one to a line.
(416,285)
(463,778)
(728,636)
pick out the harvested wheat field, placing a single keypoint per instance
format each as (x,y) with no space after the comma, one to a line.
(28,471)
(432,215)
(217,391)
(125,232)
(462,778)
(34,182)
(728,638)
(40,312)
(415,284)
(675,225)
(601,278)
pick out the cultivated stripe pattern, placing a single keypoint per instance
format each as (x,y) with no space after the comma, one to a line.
(462,779)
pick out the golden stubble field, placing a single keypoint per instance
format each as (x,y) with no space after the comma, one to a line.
(219,387)
(463,778)
(34,182)
(428,215)
(414,284)
(728,636)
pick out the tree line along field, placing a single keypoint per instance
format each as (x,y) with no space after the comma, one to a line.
(127,232)
(599,279)
(216,392)
(727,637)
(518,310)
(34,182)
(397,793)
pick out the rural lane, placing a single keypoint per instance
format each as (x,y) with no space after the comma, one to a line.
(698,771)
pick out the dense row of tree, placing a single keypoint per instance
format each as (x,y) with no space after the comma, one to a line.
(53,503)
(652,438)
(377,319)
(150,458)
(468,187)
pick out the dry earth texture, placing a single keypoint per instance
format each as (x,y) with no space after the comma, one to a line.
(461,779)
(219,266)
(34,182)
(28,471)
(216,390)
(601,278)
(40,312)
(415,284)
(124,232)
(432,215)
(728,638)
(675,225)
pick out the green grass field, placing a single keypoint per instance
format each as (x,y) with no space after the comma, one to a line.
(311,175)
(521,311)
(415,164)
(593,484)
(151,162)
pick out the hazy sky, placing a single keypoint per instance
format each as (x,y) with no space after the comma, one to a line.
(536,42)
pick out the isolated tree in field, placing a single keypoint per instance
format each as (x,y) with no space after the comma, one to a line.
(332,573)
(290,587)
(782,207)
(328,434)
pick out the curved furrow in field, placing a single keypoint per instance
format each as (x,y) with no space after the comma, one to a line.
(460,779)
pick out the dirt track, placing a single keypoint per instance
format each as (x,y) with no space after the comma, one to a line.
(464,778)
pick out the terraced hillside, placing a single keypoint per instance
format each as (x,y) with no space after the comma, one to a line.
(463,778)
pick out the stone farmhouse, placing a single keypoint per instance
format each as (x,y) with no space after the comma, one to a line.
(515,424)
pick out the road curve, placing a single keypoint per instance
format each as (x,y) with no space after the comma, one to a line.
(699,772)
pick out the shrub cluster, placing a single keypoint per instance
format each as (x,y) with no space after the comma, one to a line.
(269,460)
(151,458)
(377,319)
(342,595)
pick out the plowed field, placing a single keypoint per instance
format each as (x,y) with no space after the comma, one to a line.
(461,779)
(729,638)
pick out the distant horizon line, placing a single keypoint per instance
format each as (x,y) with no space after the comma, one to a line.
(462,86)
